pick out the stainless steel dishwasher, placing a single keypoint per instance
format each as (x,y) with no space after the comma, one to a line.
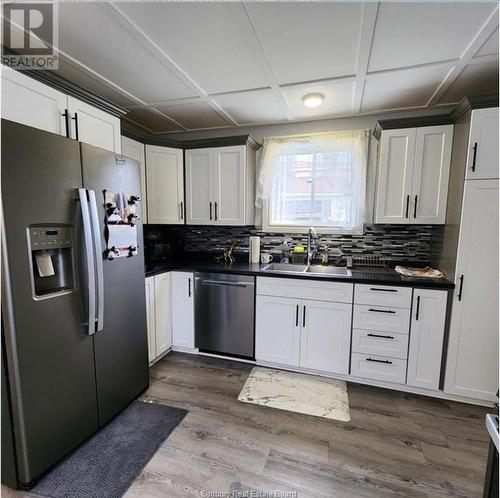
(225,314)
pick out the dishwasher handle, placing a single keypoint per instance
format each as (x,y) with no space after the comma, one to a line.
(227,283)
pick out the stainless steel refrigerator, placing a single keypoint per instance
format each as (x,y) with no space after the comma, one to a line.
(74,339)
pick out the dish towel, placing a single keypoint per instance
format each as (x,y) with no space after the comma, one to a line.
(426,272)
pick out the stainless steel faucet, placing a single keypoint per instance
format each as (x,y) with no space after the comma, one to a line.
(311,251)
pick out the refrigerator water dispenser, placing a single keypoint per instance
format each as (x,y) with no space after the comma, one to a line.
(51,261)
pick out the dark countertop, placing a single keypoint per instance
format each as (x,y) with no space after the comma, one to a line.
(255,269)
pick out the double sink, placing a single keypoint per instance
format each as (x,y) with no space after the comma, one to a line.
(308,270)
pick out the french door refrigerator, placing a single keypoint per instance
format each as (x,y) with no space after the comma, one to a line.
(74,340)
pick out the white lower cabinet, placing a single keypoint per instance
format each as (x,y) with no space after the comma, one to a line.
(277,330)
(159,315)
(426,338)
(182,311)
(378,368)
(325,338)
(305,333)
(150,317)
(380,324)
(163,313)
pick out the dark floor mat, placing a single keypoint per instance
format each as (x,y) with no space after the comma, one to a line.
(107,464)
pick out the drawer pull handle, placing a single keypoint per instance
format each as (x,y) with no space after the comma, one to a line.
(381,336)
(383,290)
(381,311)
(379,361)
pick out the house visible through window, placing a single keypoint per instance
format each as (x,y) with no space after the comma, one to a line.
(318,180)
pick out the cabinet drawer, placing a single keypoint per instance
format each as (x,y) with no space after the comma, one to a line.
(378,368)
(301,288)
(380,343)
(383,295)
(383,318)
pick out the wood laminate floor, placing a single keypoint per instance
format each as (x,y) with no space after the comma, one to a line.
(396,444)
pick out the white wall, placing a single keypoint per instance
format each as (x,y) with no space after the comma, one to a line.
(292,128)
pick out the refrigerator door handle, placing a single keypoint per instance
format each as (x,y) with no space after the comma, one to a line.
(96,232)
(89,259)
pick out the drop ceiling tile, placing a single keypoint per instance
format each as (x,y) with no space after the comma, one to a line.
(152,120)
(403,88)
(252,107)
(90,33)
(338,99)
(204,39)
(408,34)
(475,79)
(194,115)
(491,45)
(92,83)
(310,41)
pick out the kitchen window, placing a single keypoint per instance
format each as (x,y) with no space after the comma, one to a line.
(316,180)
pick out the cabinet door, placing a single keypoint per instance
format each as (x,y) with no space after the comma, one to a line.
(182,311)
(395,171)
(326,336)
(165,185)
(163,313)
(93,126)
(482,158)
(135,150)
(431,172)
(229,183)
(472,364)
(277,330)
(150,318)
(199,187)
(29,102)
(426,338)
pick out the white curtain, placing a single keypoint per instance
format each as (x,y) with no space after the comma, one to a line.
(333,164)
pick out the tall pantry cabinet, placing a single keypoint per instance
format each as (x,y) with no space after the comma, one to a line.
(470,256)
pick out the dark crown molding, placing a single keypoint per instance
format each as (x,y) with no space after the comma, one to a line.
(479,102)
(136,132)
(394,124)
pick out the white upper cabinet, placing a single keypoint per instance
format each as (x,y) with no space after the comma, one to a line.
(426,338)
(413,172)
(31,103)
(220,186)
(135,150)
(199,187)
(397,152)
(472,364)
(229,185)
(431,171)
(482,158)
(165,185)
(93,126)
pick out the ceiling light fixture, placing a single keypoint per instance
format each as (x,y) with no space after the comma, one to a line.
(313,99)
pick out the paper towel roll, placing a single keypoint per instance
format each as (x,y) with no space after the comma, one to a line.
(254,249)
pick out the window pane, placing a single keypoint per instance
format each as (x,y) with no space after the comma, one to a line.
(318,184)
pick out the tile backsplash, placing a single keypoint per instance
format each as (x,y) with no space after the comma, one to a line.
(394,243)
